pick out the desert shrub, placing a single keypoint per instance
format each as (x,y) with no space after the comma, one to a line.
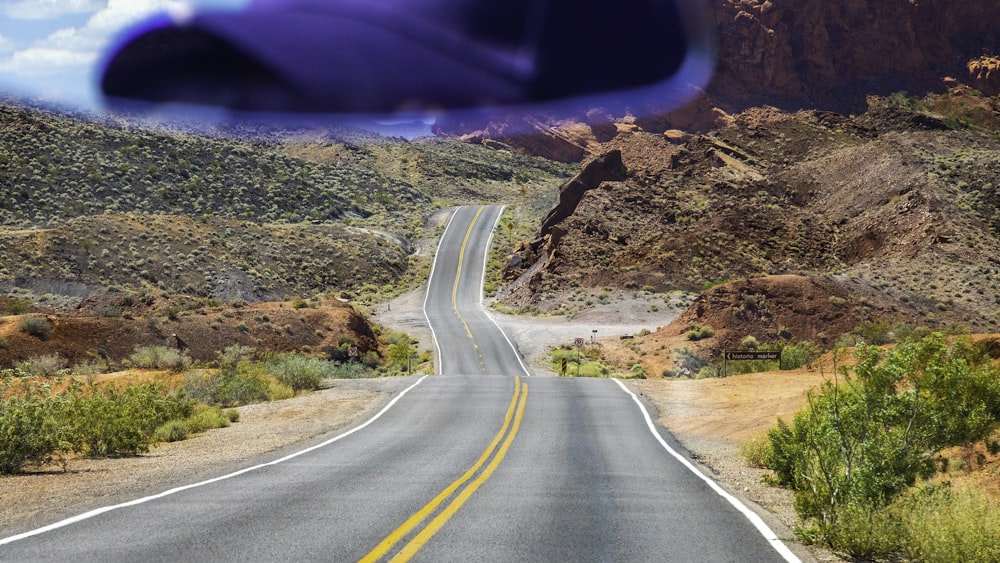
(399,353)
(688,360)
(235,354)
(31,428)
(233,415)
(240,384)
(943,524)
(794,356)
(707,372)
(876,332)
(160,357)
(171,431)
(299,372)
(863,440)
(39,327)
(749,343)
(206,418)
(16,306)
(278,391)
(756,450)
(699,332)
(48,364)
(120,420)
(88,368)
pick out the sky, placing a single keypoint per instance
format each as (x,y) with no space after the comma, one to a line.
(50,50)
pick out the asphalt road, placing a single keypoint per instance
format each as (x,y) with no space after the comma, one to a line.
(481,462)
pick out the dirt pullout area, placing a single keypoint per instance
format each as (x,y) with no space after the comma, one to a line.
(264,432)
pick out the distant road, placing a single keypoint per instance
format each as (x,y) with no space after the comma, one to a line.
(478,463)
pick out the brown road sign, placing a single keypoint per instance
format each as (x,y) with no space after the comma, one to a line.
(751,355)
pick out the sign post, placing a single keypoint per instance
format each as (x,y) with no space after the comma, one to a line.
(742,355)
(578,342)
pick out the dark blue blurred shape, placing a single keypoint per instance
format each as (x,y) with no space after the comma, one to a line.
(412,56)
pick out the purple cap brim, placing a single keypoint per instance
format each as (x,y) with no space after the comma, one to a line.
(346,59)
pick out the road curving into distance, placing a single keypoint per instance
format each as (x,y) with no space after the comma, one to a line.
(480,462)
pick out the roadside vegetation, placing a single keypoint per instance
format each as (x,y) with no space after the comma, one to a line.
(867,458)
(50,413)
(571,361)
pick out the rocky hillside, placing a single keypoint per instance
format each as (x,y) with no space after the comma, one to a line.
(901,202)
(87,206)
(115,235)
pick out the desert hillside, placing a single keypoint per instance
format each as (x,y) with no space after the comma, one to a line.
(143,231)
(894,211)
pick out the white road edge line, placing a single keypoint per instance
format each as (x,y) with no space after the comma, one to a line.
(482,283)
(752,516)
(427,292)
(102,510)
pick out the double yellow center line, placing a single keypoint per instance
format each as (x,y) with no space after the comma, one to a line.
(511,424)
(458,272)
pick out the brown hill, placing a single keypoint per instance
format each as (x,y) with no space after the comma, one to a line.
(786,308)
(901,199)
(202,332)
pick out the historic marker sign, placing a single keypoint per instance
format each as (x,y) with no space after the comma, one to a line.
(747,355)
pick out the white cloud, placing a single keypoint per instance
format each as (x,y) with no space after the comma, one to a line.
(120,13)
(35,61)
(6,45)
(77,48)
(47,9)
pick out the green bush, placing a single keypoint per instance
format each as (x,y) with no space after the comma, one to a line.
(756,451)
(160,357)
(944,525)
(31,426)
(39,327)
(699,332)
(38,426)
(352,370)
(206,418)
(235,354)
(862,441)
(299,372)
(120,421)
(17,306)
(794,356)
(240,384)
(171,431)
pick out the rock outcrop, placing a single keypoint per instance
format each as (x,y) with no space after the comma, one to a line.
(528,257)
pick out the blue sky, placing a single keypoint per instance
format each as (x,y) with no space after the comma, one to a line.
(50,49)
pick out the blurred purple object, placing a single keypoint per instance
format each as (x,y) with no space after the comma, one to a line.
(413,56)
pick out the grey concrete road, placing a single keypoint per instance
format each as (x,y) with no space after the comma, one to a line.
(481,462)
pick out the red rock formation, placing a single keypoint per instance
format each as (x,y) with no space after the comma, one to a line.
(802,48)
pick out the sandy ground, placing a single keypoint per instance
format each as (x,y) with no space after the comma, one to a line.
(711,418)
